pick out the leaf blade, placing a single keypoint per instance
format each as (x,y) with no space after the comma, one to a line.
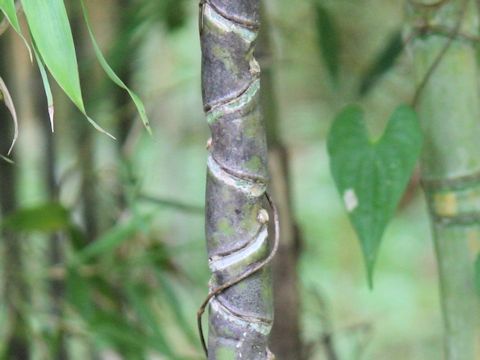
(328,40)
(54,42)
(7,98)
(372,176)
(111,73)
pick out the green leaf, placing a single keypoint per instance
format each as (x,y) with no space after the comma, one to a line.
(477,275)
(328,40)
(112,75)
(52,35)
(118,331)
(78,294)
(47,217)
(372,176)
(382,63)
(173,301)
(9,9)
(46,87)
(111,240)
(137,297)
(7,98)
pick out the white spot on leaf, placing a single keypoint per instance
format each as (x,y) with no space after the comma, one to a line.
(350,199)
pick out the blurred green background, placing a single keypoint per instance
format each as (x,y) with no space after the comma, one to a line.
(109,258)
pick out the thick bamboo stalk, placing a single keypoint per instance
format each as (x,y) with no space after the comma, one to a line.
(449,110)
(236,220)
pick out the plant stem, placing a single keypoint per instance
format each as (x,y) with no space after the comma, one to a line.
(15,291)
(285,339)
(449,110)
(236,221)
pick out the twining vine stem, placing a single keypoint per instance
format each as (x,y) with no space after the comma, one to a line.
(451,37)
(248,273)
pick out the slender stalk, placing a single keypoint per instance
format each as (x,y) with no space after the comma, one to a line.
(56,255)
(285,339)
(15,290)
(236,222)
(449,110)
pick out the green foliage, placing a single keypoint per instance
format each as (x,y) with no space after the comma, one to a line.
(382,63)
(54,47)
(47,217)
(112,75)
(372,176)
(54,42)
(328,39)
(109,241)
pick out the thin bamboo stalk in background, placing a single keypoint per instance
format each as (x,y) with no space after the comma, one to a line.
(285,340)
(449,111)
(15,290)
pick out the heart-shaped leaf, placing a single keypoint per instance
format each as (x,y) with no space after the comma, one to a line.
(371,176)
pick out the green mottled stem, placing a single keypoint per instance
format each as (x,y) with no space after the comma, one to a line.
(236,222)
(450,115)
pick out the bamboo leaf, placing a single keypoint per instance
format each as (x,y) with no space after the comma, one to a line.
(112,75)
(382,63)
(372,176)
(52,35)
(117,331)
(6,159)
(10,10)
(137,296)
(328,40)
(48,217)
(7,98)
(174,302)
(111,240)
(46,87)
(78,294)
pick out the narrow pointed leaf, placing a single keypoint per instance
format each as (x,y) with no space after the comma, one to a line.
(112,75)
(138,299)
(384,61)
(372,176)
(51,32)
(109,241)
(7,98)
(46,87)
(328,39)
(6,159)
(46,217)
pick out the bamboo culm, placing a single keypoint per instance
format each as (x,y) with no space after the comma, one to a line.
(241,316)
(449,111)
